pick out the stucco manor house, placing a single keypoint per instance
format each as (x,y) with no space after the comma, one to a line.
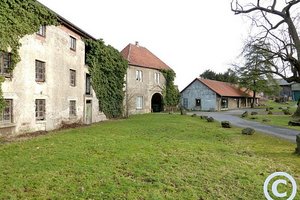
(51,85)
(144,80)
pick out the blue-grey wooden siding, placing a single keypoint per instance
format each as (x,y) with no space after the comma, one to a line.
(198,90)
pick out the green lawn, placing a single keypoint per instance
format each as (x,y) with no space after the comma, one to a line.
(153,156)
(291,104)
(277,118)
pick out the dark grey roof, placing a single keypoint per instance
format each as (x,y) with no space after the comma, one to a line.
(282,82)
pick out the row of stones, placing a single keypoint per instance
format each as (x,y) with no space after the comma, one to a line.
(227,124)
(245,131)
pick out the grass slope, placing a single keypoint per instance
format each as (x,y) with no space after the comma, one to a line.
(277,118)
(145,157)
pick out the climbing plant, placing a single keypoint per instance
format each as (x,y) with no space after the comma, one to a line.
(17,19)
(170,92)
(107,69)
(2,102)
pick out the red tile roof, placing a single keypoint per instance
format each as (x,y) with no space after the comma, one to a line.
(223,89)
(140,56)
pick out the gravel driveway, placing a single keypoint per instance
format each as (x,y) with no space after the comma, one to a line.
(234,117)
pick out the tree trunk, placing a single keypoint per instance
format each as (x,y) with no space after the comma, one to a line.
(253,99)
(297,113)
(298,144)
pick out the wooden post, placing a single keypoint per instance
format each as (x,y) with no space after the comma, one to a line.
(298,144)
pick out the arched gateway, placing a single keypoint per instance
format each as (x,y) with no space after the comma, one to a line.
(157,103)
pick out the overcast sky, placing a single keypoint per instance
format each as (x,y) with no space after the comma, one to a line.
(190,36)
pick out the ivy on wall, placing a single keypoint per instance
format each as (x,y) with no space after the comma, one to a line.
(17,19)
(107,69)
(2,102)
(171,93)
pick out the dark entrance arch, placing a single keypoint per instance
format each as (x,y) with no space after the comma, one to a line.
(157,103)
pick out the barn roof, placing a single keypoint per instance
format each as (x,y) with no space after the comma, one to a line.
(223,88)
(140,56)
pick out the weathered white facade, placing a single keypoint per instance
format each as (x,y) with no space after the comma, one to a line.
(140,94)
(144,80)
(59,59)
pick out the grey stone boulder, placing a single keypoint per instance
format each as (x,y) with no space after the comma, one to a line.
(286,112)
(294,123)
(245,114)
(248,131)
(210,119)
(254,113)
(203,117)
(266,120)
(225,124)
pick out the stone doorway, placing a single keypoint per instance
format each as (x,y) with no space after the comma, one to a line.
(157,103)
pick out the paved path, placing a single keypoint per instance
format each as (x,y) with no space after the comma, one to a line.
(234,117)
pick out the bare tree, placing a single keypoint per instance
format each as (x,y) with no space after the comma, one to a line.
(275,30)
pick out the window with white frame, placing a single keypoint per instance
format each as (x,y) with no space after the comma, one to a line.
(72,108)
(156,78)
(6,116)
(39,71)
(72,78)
(139,75)
(72,43)
(40,109)
(5,63)
(42,31)
(139,102)
(88,89)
